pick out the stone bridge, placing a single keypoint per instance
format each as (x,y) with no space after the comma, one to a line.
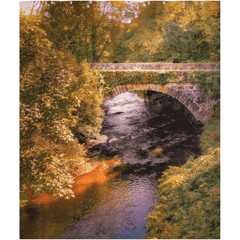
(199,105)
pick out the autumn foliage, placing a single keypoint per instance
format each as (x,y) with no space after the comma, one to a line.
(55,97)
(172,31)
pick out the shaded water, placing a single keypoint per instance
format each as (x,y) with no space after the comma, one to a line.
(114,203)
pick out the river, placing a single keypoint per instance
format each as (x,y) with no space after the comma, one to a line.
(147,136)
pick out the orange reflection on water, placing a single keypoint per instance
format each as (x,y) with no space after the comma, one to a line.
(83,182)
(97,176)
(44,198)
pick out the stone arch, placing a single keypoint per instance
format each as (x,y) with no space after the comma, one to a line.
(190,95)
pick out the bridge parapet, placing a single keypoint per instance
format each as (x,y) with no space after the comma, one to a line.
(156,66)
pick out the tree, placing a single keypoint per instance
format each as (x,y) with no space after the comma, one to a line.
(199,39)
(175,32)
(54,97)
(87,29)
(89,112)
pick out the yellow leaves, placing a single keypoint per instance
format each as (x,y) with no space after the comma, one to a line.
(171,16)
(189,13)
(48,102)
(173,181)
(107,54)
(163,197)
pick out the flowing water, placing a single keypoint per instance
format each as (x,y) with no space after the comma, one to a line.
(147,137)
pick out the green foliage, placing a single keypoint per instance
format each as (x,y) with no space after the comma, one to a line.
(209,81)
(54,98)
(90,111)
(180,45)
(86,29)
(116,78)
(174,32)
(211,134)
(121,52)
(190,201)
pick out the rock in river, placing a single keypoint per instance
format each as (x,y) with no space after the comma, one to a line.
(101,139)
(157,151)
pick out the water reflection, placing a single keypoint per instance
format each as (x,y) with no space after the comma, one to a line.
(122,213)
(115,209)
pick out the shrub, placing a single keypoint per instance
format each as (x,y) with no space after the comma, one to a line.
(211,134)
(190,201)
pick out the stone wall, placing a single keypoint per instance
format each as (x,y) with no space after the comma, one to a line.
(193,98)
(157,66)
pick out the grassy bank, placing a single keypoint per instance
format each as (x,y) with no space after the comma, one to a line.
(190,195)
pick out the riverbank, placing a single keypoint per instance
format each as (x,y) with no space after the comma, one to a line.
(190,195)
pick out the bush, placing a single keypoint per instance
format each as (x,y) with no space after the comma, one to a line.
(190,201)
(209,80)
(211,134)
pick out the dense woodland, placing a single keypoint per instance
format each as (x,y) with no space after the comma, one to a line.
(59,98)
